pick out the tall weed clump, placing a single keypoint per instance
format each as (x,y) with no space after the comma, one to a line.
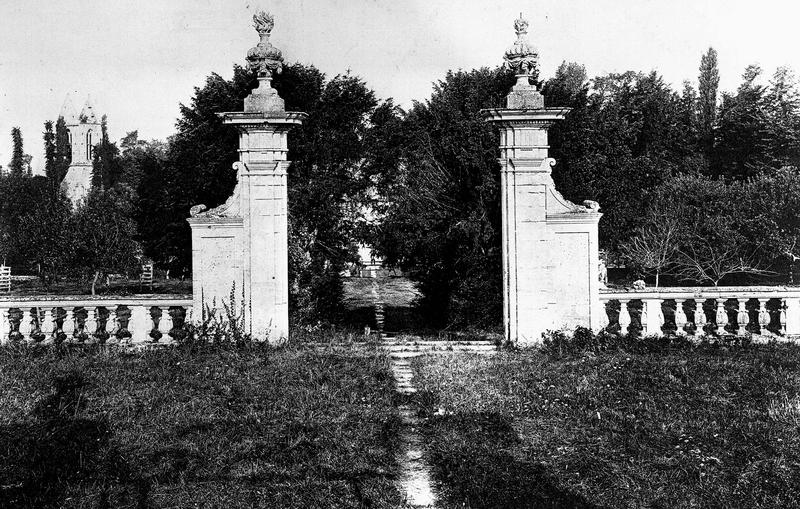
(219,327)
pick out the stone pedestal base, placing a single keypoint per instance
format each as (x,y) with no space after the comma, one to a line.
(217,266)
(550,245)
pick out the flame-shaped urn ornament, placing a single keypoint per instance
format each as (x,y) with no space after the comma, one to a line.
(265,60)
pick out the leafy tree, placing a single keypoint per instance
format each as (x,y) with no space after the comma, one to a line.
(327,186)
(17,164)
(707,100)
(769,209)
(654,246)
(35,218)
(106,166)
(328,177)
(742,141)
(198,167)
(104,235)
(783,114)
(616,144)
(443,225)
(145,168)
(63,153)
(708,223)
(49,149)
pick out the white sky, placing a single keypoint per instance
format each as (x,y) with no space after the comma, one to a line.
(139,59)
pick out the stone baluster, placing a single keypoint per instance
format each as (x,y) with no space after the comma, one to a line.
(652,316)
(624,317)
(680,318)
(25,324)
(165,323)
(763,317)
(138,325)
(792,308)
(5,325)
(111,323)
(699,318)
(742,317)
(68,326)
(90,325)
(783,317)
(721,317)
(48,324)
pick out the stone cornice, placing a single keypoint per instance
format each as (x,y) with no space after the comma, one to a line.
(543,117)
(258,120)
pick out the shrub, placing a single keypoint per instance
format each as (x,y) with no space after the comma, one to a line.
(563,343)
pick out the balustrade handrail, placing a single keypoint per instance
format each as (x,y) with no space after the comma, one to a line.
(147,318)
(700,310)
(710,292)
(97,301)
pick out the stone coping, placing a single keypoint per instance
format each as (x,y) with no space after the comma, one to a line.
(96,300)
(690,292)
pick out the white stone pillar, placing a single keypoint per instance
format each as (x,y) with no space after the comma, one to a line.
(242,245)
(550,245)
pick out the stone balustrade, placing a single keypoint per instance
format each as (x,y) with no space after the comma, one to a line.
(764,310)
(131,320)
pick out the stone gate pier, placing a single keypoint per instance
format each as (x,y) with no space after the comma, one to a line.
(239,249)
(550,245)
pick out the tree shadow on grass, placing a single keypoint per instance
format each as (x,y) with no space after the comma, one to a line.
(57,455)
(471,459)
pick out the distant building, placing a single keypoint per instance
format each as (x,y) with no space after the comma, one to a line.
(84,133)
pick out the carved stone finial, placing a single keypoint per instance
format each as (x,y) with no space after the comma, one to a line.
(522,57)
(264,58)
(521,25)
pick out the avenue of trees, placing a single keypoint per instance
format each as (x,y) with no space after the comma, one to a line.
(697,185)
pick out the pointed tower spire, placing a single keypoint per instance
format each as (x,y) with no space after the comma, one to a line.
(68,111)
(87,114)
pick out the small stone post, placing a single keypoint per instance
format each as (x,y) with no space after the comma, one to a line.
(550,245)
(239,249)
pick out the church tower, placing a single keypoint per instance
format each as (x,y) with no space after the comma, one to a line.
(84,133)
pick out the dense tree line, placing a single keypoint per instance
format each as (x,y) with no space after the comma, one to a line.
(694,184)
(716,172)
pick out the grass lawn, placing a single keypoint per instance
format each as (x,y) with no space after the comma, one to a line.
(226,428)
(65,286)
(701,427)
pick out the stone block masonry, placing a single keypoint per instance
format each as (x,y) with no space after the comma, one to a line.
(550,245)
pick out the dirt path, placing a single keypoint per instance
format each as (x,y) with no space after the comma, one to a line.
(415,475)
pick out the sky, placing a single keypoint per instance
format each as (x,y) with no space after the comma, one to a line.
(140,59)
